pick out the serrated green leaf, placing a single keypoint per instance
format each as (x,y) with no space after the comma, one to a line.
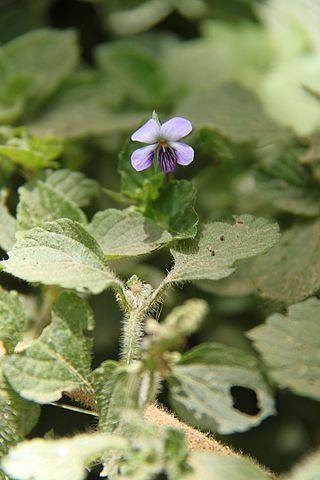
(42,69)
(40,203)
(200,385)
(59,360)
(73,185)
(13,320)
(218,246)
(62,459)
(60,253)
(7,224)
(174,209)
(30,151)
(224,467)
(289,345)
(139,186)
(290,271)
(125,233)
(234,112)
(308,469)
(17,417)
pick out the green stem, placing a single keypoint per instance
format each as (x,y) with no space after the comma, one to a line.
(132,333)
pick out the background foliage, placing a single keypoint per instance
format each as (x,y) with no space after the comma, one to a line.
(77,78)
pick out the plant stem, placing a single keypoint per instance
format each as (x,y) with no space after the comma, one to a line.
(132,332)
(74,409)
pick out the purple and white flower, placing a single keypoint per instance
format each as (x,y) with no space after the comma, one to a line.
(162,140)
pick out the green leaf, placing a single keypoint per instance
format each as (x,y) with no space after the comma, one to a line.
(308,469)
(142,187)
(224,467)
(124,233)
(42,203)
(289,186)
(289,345)
(73,185)
(7,224)
(171,333)
(17,417)
(218,246)
(234,112)
(136,71)
(62,459)
(13,321)
(86,105)
(43,69)
(59,360)
(200,388)
(290,272)
(30,151)
(174,209)
(60,253)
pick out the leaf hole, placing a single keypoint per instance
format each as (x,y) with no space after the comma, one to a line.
(240,222)
(222,238)
(245,400)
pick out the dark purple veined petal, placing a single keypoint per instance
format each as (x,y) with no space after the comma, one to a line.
(184,153)
(175,128)
(167,159)
(142,157)
(148,133)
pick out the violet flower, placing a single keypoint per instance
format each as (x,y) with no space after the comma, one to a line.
(162,140)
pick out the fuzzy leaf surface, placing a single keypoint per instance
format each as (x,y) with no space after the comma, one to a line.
(289,345)
(212,254)
(59,360)
(223,467)
(61,459)
(122,233)
(7,224)
(290,271)
(201,382)
(13,320)
(60,253)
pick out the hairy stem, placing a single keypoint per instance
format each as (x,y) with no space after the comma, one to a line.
(131,338)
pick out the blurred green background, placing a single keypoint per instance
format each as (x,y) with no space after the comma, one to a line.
(246,73)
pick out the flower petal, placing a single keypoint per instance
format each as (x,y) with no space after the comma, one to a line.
(184,153)
(175,128)
(167,159)
(148,133)
(142,157)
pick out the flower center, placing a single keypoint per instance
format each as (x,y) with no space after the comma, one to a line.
(163,143)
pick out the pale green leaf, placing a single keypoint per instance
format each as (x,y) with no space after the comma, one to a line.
(43,68)
(60,253)
(7,224)
(73,185)
(40,202)
(85,107)
(234,112)
(290,271)
(13,320)
(174,209)
(200,388)
(218,246)
(59,360)
(30,151)
(224,467)
(307,469)
(17,416)
(290,344)
(62,459)
(123,233)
